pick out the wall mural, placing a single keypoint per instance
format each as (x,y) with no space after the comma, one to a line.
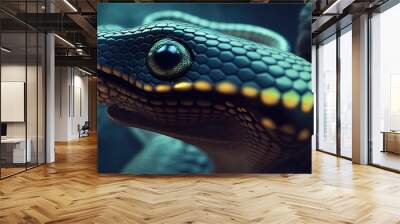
(204,88)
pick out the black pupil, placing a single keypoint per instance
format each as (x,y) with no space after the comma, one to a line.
(167,56)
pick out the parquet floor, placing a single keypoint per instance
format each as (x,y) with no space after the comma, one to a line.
(10,171)
(70,191)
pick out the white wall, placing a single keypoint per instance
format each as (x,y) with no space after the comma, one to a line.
(327,96)
(71,102)
(81,104)
(13,72)
(61,103)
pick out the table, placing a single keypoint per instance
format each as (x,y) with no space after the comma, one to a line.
(13,150)
(391,141)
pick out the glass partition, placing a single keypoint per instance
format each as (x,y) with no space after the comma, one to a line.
(22,77)
(14,153)
(327,96)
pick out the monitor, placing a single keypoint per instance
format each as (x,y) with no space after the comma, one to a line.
(3,129)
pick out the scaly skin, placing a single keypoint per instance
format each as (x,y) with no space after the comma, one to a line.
(247,105)
(249,32)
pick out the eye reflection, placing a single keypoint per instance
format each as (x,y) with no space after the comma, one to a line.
(168,59)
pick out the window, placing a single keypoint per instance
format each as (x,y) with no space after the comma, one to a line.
(327,96)
(346,92)
(385,89)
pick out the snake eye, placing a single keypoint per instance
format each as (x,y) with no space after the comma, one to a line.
(168,59)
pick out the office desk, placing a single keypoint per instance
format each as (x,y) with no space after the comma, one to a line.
(391,141)
(13,150)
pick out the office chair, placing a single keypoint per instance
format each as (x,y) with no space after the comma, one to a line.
(84,130)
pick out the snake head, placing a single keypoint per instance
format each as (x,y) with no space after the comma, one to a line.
(213,90)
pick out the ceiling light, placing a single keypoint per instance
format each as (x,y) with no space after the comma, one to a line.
(5,50)
(84,71)
(64,40)
(327,11)
(70,5)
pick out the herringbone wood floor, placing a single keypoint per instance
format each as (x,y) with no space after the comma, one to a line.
(71,191)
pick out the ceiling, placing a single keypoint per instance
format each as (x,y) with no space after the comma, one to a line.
(74,22)
(331,15)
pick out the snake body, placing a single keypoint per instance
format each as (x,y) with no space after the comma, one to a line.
(245,31)
(246,104)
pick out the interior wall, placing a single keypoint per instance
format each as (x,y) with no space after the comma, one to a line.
(71,102)
(61,103)
(80,102)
